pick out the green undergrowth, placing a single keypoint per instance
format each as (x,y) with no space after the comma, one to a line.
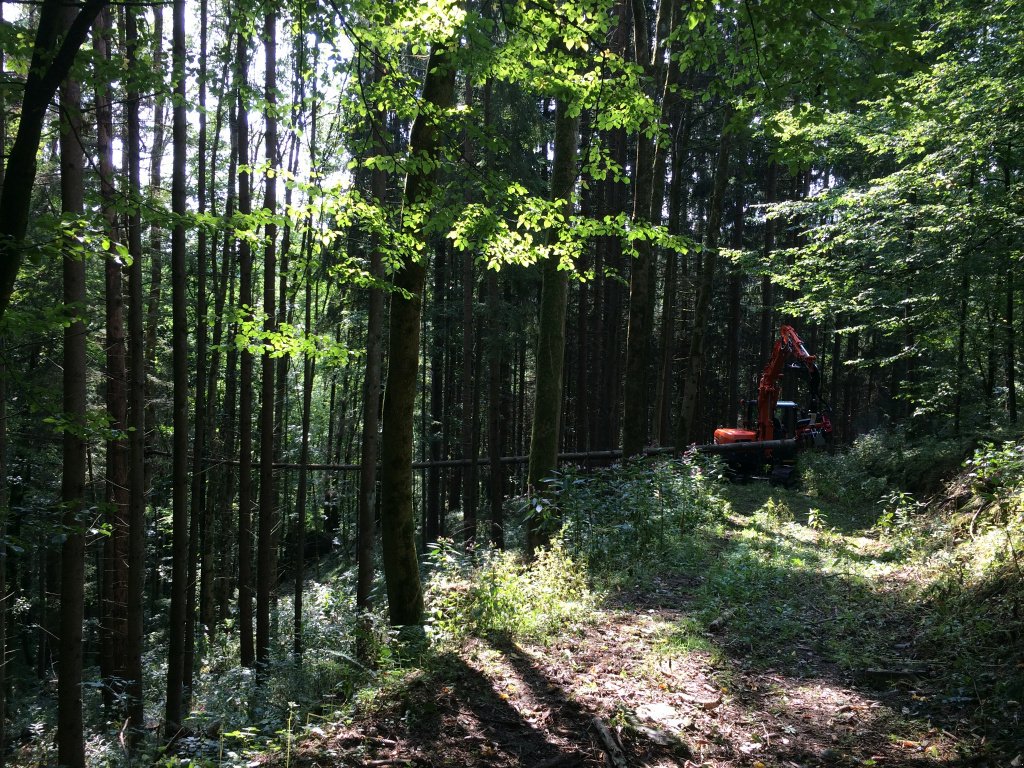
(624,521)
(928,587)
(490,592)
(778,581)
(881,462)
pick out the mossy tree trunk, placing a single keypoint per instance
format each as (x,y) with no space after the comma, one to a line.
(398,541)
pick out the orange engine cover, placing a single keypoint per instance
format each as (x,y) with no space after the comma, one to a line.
(726,435)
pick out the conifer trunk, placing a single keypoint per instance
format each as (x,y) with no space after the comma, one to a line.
(265,570)
(114,604)
(137,401)
(247,651)
(70,725)
(300,496)
(176,694)
(197,523)
(547,408)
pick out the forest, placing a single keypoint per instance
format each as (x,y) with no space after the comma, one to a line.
(374,379)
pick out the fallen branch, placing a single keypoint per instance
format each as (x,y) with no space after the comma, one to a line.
(616,759)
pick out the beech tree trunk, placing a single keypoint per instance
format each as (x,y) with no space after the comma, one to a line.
(401,569)
(366,529)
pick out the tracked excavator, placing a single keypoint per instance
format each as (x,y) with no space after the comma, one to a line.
(781,428)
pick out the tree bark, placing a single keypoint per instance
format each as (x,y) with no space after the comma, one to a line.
(114,605)
(735,328)
(198,562)
(265,571)
(405,594)
(176,695)
(137,404)
(496,421)
(438,423)
(156,164)
(366,529)
(247,652)
(1011,338)
(300,496)
(767,289)
(547,407)
(70,725)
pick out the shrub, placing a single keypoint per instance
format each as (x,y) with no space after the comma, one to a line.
(997,477)
(777,511)
(494,592)
(625,518)
(880,461)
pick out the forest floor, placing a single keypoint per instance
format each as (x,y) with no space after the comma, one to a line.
(762,642)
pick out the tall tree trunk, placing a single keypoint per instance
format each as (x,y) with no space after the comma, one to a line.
(1011,349)
(265,571)
(247,652)
(691,381)
(137,398)
(1011,338)
(961,349)
(735,330)
(176,694)
(850,388)
(156,164)
(767,289)
(667,348)
(198,525)
(366,531)
(70,725)
(611,333)
(438,423)
(4,490)
(837,361)
(300,496)
(469,481)
(648,192)
(547,407)
(401,569)
(114,604)
(496,423)
(228,426)
(5,505)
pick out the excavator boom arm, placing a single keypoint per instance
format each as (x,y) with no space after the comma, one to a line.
(788,347)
